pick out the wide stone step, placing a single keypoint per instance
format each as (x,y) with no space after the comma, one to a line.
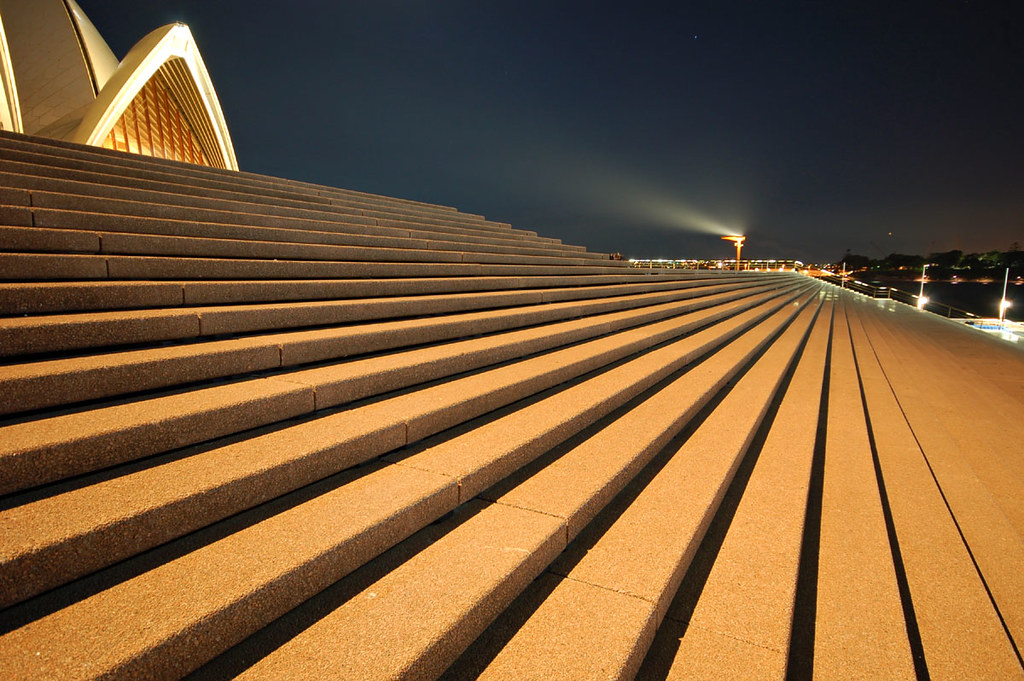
(82,212)
(263,564)
(266,584)
(938,566)
(282,229)
(737,598)
(977,483)
(47,383)
(24,298)
(54,174)
(92,198)
(116,243)
(61,333)
(258,427)
(639,560)
(41,450)
(401,615)
(105,517)
(142,236)
(46,267)
(857,589)
(142,166)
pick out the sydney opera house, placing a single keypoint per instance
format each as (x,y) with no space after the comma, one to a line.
(252,427)
(61,80)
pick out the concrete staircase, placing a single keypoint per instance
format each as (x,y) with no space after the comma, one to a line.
(262,428)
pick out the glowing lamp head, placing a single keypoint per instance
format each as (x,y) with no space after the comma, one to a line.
(921,302)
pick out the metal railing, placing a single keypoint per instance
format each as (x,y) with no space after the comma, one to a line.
(898,295)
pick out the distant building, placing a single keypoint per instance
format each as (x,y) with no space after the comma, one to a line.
(59,79)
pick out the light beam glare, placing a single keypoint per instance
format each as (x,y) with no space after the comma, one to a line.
(674,213)
(630,198)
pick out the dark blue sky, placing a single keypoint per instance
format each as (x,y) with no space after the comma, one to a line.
(811,127)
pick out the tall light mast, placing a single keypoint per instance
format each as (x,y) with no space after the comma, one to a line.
(739,247)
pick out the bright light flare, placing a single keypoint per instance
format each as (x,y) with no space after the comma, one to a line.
(921,302)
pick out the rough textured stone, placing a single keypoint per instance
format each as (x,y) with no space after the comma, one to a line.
(180,499)
(416,619)
(75,296)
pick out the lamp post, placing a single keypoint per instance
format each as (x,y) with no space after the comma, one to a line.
(739,247)
(921,300)
(1004,303)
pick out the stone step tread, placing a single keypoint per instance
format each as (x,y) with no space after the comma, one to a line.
(238,213)
(998,467)
(99,523)
(961,632)
(859,620)
(38,180)
(20,216)
(52,382)
(58,151)
(144,244)
(47,267)
(39,175)
(265,563)
(719,655)
(262,242)
(580,482)
(41,450)
(410,624)
(645,551)
(21,298)
(249,487)
(241,225)
(247,226)
(994,543)
(43,240)
(464,584)
(482,457)
(120,243)
(749,592)
(54,333)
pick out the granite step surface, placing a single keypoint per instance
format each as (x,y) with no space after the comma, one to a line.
(209,477)
(24,298)
(50,382)
(263,428)
(57,333)
(110,230)
(53,447)
(150,649)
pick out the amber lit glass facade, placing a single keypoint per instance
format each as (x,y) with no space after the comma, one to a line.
(153,125)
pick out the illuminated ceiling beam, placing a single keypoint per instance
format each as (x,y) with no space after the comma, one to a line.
(10,110)
(163,45)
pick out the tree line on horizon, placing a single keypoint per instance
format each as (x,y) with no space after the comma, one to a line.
(946,264)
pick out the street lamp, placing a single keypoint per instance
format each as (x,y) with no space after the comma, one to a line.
(739,247)
(1004,303)
(921,300)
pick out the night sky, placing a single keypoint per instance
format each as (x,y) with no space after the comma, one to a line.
(650,129)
